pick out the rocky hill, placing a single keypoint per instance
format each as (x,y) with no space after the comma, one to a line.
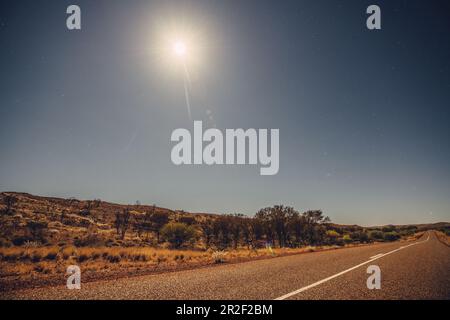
(56,221)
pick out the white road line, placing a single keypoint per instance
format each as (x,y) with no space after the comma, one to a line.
(376,256)
(315,284)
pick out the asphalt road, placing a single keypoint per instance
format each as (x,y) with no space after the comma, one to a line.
(418,270)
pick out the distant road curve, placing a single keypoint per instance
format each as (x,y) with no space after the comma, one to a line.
(418,270)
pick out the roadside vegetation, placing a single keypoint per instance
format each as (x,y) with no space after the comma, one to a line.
(443,236)
(40,237)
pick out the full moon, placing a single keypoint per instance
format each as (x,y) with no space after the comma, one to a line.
(179,48)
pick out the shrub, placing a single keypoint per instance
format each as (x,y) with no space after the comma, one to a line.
(31,244)
(89,240)
(11,256)
(161,258)
(187,220)
(219,256)
(21,240)
(141,257)
(391,236)
(346,238)
(51,254)
(83,257)
(178,257)
(376,235)
(9,202)
(36,256)
(95,254)
(36,229)
(38,268)
(360,236)
(363,237)
(177,233)
(68,252)
(157,221)
(332,236)
(114,257)
(4,243)
(389,228)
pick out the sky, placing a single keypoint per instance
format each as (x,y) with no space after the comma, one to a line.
(363,115)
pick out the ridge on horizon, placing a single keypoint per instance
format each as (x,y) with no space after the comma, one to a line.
(147,206)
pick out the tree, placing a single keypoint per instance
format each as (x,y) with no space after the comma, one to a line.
(363,237)
(376,235)
(96,203)
(236,226)
(332,236)
(86,211)
(177,233)
(264,220)
(290,228)
(296,227)
(207,229)
(9,201)
(146,224)
(158,220)
(72,202)
(122,222)
(360,236)
(222,231)
(279,217)
(248,232)
(150,221)
(36,230)
(257,229)
(315,226)
(391,236)
(138,224)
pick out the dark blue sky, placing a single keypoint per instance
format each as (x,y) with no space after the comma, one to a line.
(363,115)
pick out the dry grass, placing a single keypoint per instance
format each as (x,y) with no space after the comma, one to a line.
(22,267)
(445,239)
(415,236)
(16,255)
(113,255)
(38,264)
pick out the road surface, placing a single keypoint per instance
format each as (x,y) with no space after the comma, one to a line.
(417,270)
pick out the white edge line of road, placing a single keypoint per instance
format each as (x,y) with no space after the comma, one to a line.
(378,256)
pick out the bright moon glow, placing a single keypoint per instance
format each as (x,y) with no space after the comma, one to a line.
(176,49)
(179,48)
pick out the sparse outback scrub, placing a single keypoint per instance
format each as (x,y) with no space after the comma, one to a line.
(443,237)
(39,266)
(41,236)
